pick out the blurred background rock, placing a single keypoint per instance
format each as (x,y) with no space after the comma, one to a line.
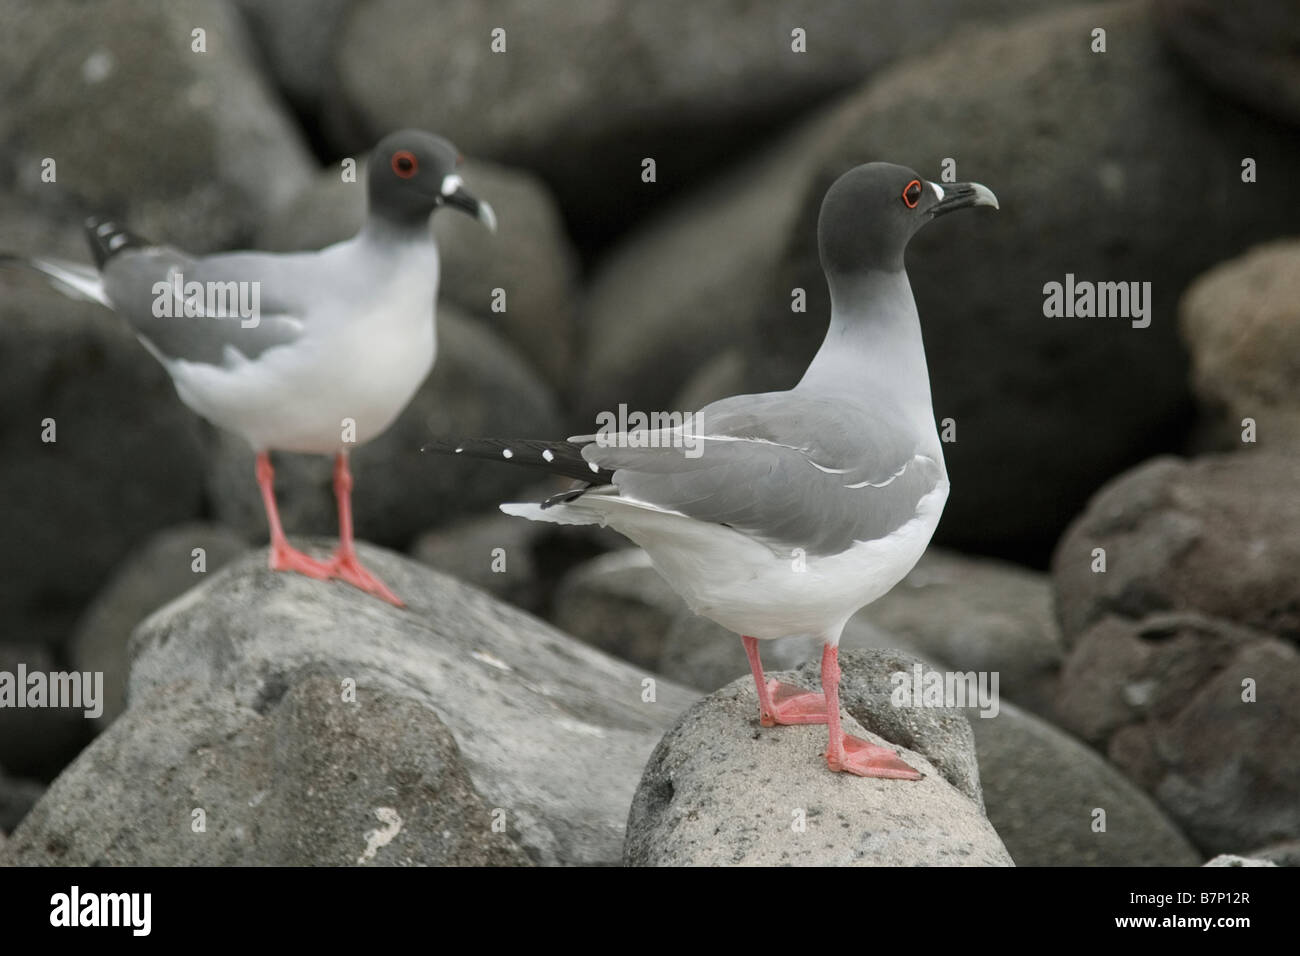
(1117,166)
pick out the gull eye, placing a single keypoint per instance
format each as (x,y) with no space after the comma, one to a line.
(912,193)
(405,164)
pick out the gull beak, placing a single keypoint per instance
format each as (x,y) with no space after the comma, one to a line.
(961,196)
(455,195)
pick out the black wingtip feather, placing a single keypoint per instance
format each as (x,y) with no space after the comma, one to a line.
(557,457)
(107,239)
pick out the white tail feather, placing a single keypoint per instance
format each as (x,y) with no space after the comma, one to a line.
(563,513)
(72,279)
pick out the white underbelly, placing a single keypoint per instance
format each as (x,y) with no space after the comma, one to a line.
(319,395)
(742,585)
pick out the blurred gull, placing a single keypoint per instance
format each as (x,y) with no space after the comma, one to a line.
(309,352)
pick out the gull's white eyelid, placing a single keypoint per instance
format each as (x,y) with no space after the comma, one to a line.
(938,191)
(450,183)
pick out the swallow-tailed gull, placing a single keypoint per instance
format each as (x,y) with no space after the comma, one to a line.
(310,352)
(784,513)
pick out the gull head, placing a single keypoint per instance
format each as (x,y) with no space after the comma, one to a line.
(872,211)
(412,173)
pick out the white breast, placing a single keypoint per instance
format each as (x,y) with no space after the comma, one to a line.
(745,587)
(363,353)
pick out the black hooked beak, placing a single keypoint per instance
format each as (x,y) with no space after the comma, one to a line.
(961,196)
(455,195)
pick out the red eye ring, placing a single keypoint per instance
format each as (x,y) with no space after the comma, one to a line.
(405,164)
(911,201)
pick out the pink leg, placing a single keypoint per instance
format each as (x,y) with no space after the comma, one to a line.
(852,754)
(346,565)
(283,557)
(782,703)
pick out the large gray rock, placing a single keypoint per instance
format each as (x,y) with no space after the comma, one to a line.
(1201,713)
(721,790)
(528,257)
(17,796)
(1219,535)
(479,386)
(1241,323)
(1094,171)
(491,551)
(127,460)
(38,742)
(1102,196)
(301,778)
(162,569)
(584,91)
(1245,48)
(517,560)
(676,294)
(189,147)
(866,693)
(550,732)
(1042,789)
(978,614)
(1228,859)
(297,39)
(1286,853)
(720,377)
(619,603)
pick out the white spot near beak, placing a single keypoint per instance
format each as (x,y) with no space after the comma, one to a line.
(938,191)
(450,183)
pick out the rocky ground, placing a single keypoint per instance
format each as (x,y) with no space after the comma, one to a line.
(1120,547)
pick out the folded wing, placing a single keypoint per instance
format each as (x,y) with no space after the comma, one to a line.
(791,470)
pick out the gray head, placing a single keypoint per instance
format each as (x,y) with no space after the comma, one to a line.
(411,173)
(871,212)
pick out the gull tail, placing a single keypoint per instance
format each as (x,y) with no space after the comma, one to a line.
(107,239)
(556,457)
(73,279)
(78,281)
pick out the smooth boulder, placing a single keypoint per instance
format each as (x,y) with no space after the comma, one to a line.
(1056,802)
(157,113)
(550,733)
(303,778)
(1241,323)
(163,568)
(1219,535)
(722,790)
(100,453)
(584,92)
(1200,712)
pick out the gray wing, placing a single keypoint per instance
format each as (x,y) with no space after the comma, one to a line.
(792,470)
(137,280)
